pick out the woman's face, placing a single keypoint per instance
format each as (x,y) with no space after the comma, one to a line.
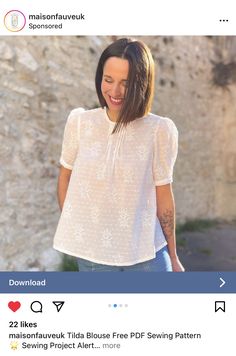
(114,83)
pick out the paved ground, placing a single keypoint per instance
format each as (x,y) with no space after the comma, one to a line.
(212,249)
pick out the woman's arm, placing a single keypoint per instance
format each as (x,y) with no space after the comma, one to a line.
(166,216)
(62,184)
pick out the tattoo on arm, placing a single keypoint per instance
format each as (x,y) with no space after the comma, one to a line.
(167,221)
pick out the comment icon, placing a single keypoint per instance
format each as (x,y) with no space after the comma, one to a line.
(36,307)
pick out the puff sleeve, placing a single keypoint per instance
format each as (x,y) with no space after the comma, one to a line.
(70,142)
(165,151)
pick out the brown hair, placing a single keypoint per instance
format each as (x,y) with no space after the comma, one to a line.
(140,89)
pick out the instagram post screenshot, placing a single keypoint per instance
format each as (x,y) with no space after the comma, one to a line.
(118,154)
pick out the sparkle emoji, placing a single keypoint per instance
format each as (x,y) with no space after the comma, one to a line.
(14,345)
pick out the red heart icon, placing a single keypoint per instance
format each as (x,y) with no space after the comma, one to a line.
(14,306)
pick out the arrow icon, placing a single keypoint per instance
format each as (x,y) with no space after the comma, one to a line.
(223,282)
(58,305)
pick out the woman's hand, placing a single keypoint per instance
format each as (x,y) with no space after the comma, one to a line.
(177,265)
(166,216)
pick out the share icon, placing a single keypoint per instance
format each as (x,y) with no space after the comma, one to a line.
(58,305)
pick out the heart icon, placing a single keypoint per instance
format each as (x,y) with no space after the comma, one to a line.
(14,306)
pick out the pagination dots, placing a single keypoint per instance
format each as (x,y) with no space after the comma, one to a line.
(117,305)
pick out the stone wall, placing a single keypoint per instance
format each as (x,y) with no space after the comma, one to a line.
(43,78)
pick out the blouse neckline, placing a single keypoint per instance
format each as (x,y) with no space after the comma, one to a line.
(107,117)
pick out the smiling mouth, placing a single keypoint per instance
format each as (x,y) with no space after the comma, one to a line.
(116,101)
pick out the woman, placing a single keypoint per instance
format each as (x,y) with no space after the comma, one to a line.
(114,186)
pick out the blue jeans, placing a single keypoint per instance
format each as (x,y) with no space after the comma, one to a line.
(161,263)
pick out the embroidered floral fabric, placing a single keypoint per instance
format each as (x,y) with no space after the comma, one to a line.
(109,214)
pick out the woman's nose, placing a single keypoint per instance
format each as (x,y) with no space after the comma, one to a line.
(116,90)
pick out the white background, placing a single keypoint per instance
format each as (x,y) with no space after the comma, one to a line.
(139,312)
(149,17)
(155,313)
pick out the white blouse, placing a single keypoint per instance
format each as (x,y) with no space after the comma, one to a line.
(109,214)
